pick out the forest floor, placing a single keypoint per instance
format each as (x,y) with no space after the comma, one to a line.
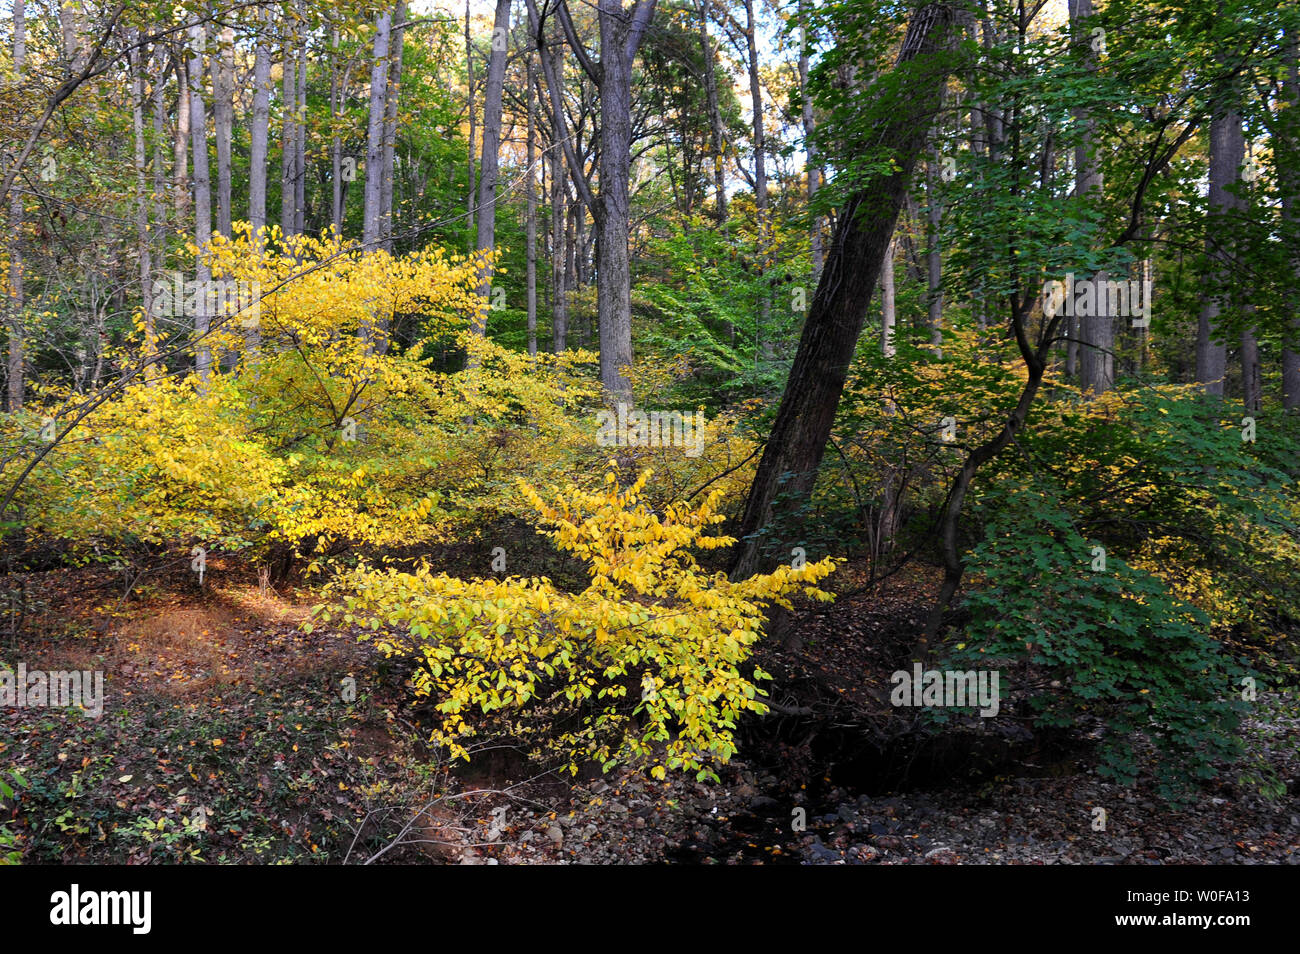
(228,735)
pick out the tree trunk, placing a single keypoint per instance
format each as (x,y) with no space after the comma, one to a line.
(1289,177)
(338,94)
(715,116)
(300,144)
(863,232)
(760,163)
(202,201)
(618,43)
(222,68)
(472,191)
(16,305)
(1252,382)
(375,133)
(888,312)
(1097,331)
(259,133)
(288,134)
(488,166)
(1227,149)
(933,257)
(181,144)
(560,300)
(810,147)
(390,130)
(530,239)
(143,245)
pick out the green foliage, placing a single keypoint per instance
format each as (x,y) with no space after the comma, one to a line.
(1112,643)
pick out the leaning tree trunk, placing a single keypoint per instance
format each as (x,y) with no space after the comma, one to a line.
(863,231)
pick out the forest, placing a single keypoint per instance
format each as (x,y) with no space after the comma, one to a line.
(667,432)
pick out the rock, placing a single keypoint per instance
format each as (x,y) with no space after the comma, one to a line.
(556,834)
(761,803)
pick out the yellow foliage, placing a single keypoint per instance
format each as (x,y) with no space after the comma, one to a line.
(649,655)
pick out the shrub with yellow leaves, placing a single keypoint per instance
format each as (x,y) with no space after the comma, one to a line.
(643,665)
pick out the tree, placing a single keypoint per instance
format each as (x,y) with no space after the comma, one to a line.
(489,164)
(906,105)
(1097,331)
(370,216)
(15,302)
(1227,150)
(202,199)
(620,36)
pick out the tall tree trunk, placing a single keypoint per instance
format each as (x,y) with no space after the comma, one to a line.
(259,132)
(530,238)
(620,37)
(489,165)
(888,310)
(810,147)
(1096,331)
(340,77)
(143,244)
(718,143)
(390,129)
(181,144)
(1289,176)
(760,163)
(472,191)
(159,232)
(1252,382)
(1227,150)
(572,273)
(560,300)
(222,66)
(933,256)
(16,305)
(863,232)
(618,42)
(288,133)
(300,143)
(202,201)
(375,132)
